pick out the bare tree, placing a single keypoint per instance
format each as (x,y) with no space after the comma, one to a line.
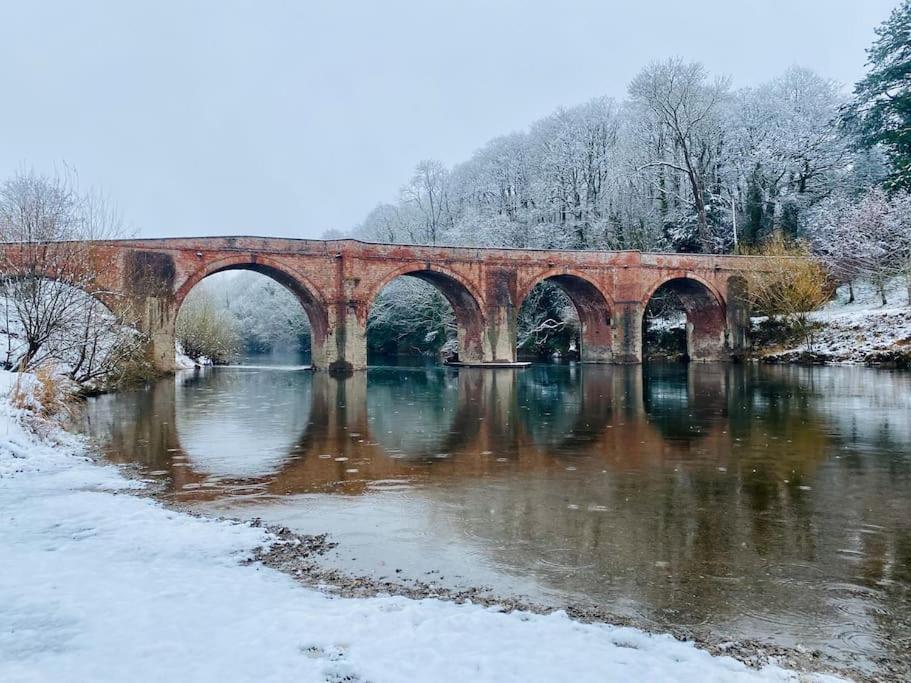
(428,193)
(869,237)
(49,278)
(684,105)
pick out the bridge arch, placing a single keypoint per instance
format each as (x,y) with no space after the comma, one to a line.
(298,284)
(705,311)
(461,294)
(592,305)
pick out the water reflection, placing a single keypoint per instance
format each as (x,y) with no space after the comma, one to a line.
(749,501)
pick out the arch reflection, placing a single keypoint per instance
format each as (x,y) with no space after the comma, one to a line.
(241,424)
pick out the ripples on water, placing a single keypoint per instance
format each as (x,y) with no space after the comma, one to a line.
(768,502)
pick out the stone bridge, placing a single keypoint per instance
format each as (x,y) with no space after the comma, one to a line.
(336,282)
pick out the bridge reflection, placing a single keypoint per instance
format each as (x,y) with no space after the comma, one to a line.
(229,432)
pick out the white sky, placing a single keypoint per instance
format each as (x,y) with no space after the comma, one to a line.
(291,118)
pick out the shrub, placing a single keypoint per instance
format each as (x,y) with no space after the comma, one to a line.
(206,332)
(790,286)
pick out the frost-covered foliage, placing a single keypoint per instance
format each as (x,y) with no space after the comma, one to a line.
(867,237)
(267,315)
(881,109)
(82,339)
(670,168)
(51,313)
(411,317)
(204,331)
(256,314)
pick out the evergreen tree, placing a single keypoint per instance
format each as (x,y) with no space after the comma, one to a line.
(881,109)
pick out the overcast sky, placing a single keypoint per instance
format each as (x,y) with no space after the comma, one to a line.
(291,118)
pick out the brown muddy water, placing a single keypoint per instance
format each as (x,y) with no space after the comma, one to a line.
(748,502)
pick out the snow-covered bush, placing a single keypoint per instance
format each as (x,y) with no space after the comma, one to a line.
(51,310)
(205,331)
(411,317)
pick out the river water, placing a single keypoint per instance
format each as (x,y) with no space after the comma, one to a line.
(743,501)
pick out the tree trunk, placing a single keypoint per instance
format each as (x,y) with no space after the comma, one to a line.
(850,291)
(31,351)
(699,202)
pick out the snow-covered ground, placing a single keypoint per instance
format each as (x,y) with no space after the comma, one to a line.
(181,360)
(97,584)
(849,333)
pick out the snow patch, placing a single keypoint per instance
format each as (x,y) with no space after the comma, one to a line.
(849,332)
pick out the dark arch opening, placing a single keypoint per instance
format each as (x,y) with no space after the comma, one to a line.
(566,315)
(429,313)
(684,320)
(262,311)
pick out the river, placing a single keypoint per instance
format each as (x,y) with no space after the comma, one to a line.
(745,501)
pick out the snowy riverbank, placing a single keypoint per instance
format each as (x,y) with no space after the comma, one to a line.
(99,584)
(863,331)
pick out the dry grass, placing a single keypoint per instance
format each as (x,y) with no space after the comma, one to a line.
(49,396)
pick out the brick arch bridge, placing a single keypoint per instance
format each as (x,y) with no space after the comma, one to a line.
(337,281)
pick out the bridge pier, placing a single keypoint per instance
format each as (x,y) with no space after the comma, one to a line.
(499,340)
(627,332)
(157,320)
(597,339)
(705,335)
(345,347)
(738,317)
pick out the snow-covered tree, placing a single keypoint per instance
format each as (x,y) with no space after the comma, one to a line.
(427,195)
(787,152)
(411,317)
(204,330)
(262,314)
(680,109)
(51,311)
(833,241)
(869,237)
(881,109)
